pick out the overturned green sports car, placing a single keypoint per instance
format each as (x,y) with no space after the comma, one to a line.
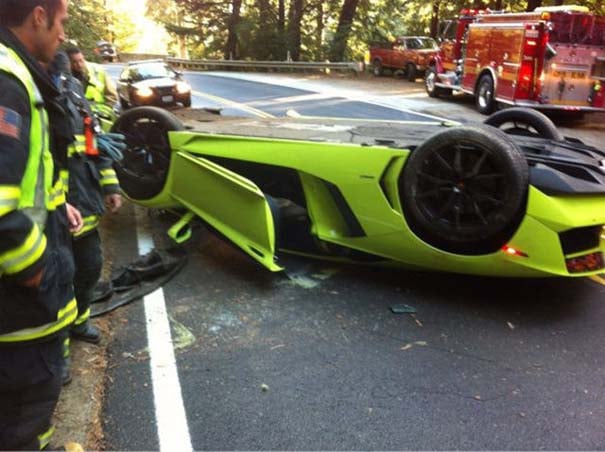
(508,198)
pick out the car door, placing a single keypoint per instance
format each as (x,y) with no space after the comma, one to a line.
(410,49)
(397,54)
(229,202)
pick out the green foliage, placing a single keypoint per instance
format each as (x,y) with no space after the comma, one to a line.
(83,28)
(203,25)
(91,21)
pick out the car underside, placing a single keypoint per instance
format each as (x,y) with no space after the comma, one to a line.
(508,198)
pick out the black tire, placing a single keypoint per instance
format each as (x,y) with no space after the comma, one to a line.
(464,190)
(484,98)
(123,103)
(410,72)
(377,68)
(525,122)
(429,83)
(187,102)
(143,170)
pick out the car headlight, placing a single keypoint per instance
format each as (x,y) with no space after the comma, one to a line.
(144,91)
(182,87)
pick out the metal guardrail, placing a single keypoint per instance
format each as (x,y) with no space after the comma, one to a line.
(246,64)
(299,65)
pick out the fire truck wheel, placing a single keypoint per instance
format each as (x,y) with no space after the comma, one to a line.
(143,170)
(410,72)
(377,68)
(464,189)
(526,122)
(484,99)
(430,81)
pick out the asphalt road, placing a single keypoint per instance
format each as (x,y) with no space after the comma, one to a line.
(315,359)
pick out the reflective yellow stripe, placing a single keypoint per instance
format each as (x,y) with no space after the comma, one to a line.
(110,181)
(58,191)
(90,223)
(65,178)
(78,146)
(26,254)
(9,198)
(109,177)
(66,342)
(65,317)
(83,317)
(44,438)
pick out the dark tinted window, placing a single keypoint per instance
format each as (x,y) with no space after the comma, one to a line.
(421,43)
(152,70)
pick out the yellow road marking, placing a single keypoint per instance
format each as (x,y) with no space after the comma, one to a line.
(230,103)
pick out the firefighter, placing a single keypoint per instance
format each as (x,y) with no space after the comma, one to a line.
(93,184)
(37,303)
(97,84)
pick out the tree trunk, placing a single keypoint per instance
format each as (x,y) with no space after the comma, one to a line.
(281,18)
(498,5)
(319,31)
(295,15)
(559,2)
(231,47)
(264,45)
(435,18)
(533,4)
(345,22)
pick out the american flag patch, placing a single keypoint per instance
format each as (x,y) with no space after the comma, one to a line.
(10,123)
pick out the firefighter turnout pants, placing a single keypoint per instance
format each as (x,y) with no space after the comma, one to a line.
(88,258)
(30,384)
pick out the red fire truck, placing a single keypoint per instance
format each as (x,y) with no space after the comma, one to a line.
(552,58)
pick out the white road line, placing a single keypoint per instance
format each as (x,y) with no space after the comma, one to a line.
(171,419)
(233,104)
(292,99)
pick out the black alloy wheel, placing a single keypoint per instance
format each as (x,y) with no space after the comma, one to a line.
(464,189)
(143,170)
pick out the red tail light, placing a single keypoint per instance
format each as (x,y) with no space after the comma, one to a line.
(533,49)
(525,80)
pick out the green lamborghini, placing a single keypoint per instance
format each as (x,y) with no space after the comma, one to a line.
(511,197)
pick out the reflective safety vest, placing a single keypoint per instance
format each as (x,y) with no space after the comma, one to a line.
(35,197)
(95,91)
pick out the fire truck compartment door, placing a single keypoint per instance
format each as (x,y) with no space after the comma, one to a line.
(567,84)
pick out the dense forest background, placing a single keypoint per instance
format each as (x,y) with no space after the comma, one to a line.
(305,30)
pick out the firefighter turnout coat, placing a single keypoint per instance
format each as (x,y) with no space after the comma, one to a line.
(34,232)
(91,175)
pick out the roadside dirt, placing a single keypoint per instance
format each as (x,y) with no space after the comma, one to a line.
(78,416)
